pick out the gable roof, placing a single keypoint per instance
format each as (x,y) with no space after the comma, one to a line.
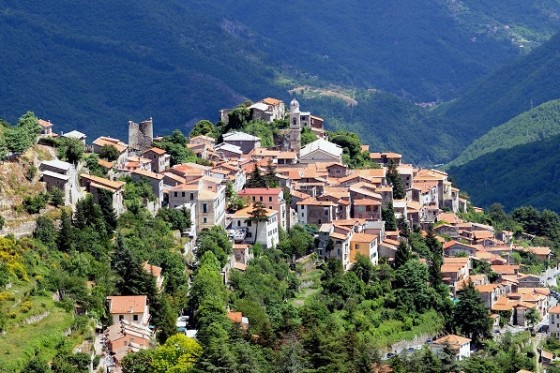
(127,303)
(239,136)
(259,191)
(323,145)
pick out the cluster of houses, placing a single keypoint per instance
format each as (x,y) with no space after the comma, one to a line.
(344,204)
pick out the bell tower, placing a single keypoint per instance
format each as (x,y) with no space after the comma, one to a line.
(295,127)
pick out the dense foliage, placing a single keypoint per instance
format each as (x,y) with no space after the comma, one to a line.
(523,175)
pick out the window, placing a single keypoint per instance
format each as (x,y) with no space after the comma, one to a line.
(192,196)
(249,223)
(204,208)
(261,198)
(205,220)
(182,194)
(239,223)
(121,317)
(270,199)
(253,198)
(326,212)
(175,194)
(135,317)
(270,207)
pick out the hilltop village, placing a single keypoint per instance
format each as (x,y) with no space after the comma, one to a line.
(257,193)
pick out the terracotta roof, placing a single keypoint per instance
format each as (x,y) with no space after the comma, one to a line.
(148,174)
(555,309)
(114,185)
(158,151)
(271,101)
(537,250)
(339,236)
(504,269)
(127,303)
(44,123)
(363,237)
(547,355)
(235,317)
(181,187)
(259,191)
(154,270)
(245,212)
(366,202)
(453,341)
(287,155)
(118,144)
(314,202)
(105,164)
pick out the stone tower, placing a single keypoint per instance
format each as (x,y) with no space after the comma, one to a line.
(295,127)
(140,135)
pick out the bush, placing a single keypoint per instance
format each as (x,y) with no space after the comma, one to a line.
(34,204)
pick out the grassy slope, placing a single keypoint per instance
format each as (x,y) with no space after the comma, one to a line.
(523,175)
(534,125)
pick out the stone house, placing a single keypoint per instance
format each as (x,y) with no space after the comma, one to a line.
(95,185)
(156,182)
(160,160)
(61,175)
(460,346)
(46,127)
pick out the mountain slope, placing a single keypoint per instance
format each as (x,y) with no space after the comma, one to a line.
(533,125)
(512,90)
(94,67)
(523,175)
(421,49)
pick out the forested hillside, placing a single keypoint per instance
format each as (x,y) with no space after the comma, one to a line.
(93,68)
(523,175)
(512,90)
(534,125)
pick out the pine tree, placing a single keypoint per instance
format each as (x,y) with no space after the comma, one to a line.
(471,316)
(133,280)
(270,177)
(388,215)
(403,255)
(65,240)
(395,180)
(257,215)
(434,245)
(256,180)
(106,204)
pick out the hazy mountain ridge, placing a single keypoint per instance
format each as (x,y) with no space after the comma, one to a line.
(533,125)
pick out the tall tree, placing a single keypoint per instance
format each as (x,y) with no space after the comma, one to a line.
(45,231)
(257,215)
(256,179)
(395,180)
(106,204)
(65,240)
(388,215)
(270,178)
(471,316)
(133,280)
(403,255)
(436,251)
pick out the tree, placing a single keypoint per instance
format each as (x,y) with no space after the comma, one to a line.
(363,268)
(470,314)
(395,180)
(533,317)
(2,222)
(65,240)
(216,241)
(177,354)
(256,180)
(45,231)
(133,280)
(71,149)
(271,179)
(57,197)
(138,362)
(436,256)
(106,204)
(307,136)
(109,152)
(257,215)
(402,255)
(404,227)
(202,127)
(388,215)
(76,363)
